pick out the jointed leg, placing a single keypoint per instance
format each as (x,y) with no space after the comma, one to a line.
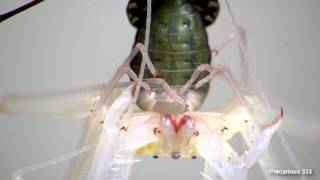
(133,76)
(123,70)
(225,42)
(164,85)
(214,71)
(157,81)
(194,76)
(17,175)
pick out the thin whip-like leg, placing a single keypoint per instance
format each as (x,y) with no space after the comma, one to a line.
(68,104)
(110,128)
(122,70)
(134,76)
(17,175)
(156,81)
(118,149)
(225,42)
(194,76)
(165,86)
(225,71)
(214,71)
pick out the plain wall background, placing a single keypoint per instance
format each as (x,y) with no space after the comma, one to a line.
(63,44)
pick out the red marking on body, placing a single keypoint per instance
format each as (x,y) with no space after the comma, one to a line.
(178,123)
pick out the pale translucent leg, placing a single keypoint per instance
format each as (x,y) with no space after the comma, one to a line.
(157,81)
(84,162)
(122,101)
(70,104)
(133,76)
(165,86)
(19,173)
(225,42)
(210,147)
(118,75)
(214,70)
(79,168)
(114,154)
(194,76)
(123,69)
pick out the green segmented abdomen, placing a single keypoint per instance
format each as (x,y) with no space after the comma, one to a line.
(178,42)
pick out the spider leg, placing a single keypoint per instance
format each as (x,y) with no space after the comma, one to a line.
(123,69)
(66,104)
(17,175)
(114,153)
(194,76)
(225,71)
(165,86)
(134,76)
(214,71)
(216,50)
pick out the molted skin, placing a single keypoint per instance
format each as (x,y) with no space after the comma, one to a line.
(178,44)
